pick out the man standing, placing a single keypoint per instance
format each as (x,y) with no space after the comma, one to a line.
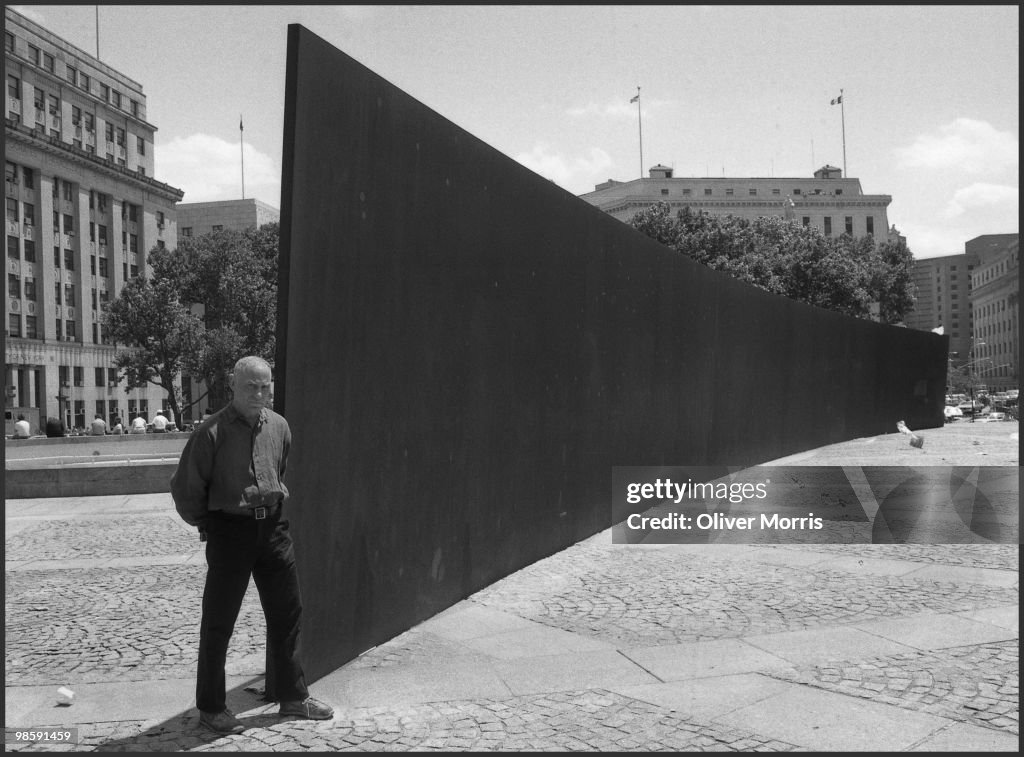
(230,485)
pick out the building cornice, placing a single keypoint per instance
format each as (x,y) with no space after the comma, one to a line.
(55,146)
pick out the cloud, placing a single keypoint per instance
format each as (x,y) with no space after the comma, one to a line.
(562,169)
(209,168)
(965,144)
(990,199)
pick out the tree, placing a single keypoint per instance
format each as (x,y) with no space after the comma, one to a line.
(159,332)
(781,256)
(230,278)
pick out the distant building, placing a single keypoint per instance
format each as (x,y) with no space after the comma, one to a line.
(973,296)
(994,296)
(198,218)
(943,298)
(827,201)
(83,211)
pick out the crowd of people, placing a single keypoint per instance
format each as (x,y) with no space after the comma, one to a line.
(55,427)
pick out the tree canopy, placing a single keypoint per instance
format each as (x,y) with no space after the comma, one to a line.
(844,274)
(206,304)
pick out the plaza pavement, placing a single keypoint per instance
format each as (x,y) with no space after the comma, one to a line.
(601,647)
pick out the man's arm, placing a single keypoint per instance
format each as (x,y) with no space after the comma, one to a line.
(190,483)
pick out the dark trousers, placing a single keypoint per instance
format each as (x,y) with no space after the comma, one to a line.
(237,548)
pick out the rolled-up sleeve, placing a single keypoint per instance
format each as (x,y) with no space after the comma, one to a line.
(190,483)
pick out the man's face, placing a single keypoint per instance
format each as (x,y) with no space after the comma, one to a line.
(251,389)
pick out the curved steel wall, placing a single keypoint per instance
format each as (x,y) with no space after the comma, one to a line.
(466,350)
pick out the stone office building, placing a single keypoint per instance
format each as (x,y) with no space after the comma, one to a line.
(83,211)
(827,201)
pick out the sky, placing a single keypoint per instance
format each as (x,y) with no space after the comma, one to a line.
(930,92)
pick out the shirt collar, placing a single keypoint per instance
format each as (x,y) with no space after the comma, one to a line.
(231,415)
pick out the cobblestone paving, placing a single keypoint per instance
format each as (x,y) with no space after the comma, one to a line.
(651,597)
(977,684)
(591,720)
(98,538)
(114,624)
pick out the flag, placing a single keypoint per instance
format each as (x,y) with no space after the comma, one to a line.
(836,100)
(240,124)
(635,97)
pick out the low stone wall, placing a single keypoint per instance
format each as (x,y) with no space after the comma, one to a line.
(88,480)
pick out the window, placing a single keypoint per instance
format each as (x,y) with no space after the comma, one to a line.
(160,244)
(707,191)
(76,115)
(8,42)
(103,234)
(92,267)
(30,178)
(124,271)
(752,192)
(13,87)
(69,224)
(95,333)
(57,292)
(30,251)
(48,62)
(135,271)
(30,327)
(133,242)
(28,213)
(120,137)
(92,232)
(871,225)
(72,74)
(69,331)
(90,122)
(112,375)
(828,226)
(186,231)
(94,299)
(12,210)
(140,145)
(807,220)
(30,289)
(135,108)
(33,54)
(14,325)
(79,376)
(103,268)
(54,105)
(159,219)
(116,98)
(69,295)
(56,222)
(849,225)
(109,132)
(102,201)
(14,286)
(664,191)
(776,191)
(133,212)
(39,99)
(56,257)
(687,191)
(105,93)
(83,81)
(69,259)
(796,191)
(728,192)
(12,248)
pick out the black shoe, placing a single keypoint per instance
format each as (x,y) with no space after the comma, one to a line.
(221,722)
(308,708)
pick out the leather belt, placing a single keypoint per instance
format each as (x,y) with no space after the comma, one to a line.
(258,513)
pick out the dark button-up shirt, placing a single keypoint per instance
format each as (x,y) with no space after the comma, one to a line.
(230,465)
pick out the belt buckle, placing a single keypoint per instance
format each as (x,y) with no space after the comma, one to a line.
(260,513)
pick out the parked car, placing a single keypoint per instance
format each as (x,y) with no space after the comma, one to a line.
(995,416)
(953,413)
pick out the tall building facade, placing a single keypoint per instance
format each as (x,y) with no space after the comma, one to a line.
(942,297)
(83,211)
(198,218)
(994,297)
(826,201)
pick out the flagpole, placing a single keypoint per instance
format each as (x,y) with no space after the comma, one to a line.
(842,112)
(241,145)
(640,124)
(97,32)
